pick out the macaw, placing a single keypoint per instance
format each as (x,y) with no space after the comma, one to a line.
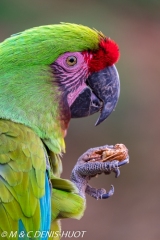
(48,75)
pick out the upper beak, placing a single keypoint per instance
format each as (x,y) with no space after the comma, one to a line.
(106,86)
(101,94)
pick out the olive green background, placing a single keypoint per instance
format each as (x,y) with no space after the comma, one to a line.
(133,213)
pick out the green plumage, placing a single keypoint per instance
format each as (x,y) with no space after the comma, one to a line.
(30,120)
(22,170)
(20,186)
(53,39)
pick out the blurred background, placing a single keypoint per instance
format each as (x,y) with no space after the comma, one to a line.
(133,212)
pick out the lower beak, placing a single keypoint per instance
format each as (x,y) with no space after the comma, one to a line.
(101,94)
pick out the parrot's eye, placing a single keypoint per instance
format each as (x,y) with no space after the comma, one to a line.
(71,60)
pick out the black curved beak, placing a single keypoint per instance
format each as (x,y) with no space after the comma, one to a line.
(101,94)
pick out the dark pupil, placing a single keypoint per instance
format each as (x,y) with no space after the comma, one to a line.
(71,60)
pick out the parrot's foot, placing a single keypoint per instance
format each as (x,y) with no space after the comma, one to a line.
(92,163)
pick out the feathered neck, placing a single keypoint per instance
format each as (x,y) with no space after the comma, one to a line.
(28,96)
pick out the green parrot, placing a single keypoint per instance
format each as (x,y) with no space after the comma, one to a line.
(48,75)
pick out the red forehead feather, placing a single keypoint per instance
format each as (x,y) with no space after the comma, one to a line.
(106,55)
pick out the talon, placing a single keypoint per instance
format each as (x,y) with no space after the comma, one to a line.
(117,172)
(109,194)
(123,162)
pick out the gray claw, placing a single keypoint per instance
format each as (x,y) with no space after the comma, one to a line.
(117,172)
(109,194)
(123,162)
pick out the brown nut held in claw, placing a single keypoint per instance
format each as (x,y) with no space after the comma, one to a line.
(118,152)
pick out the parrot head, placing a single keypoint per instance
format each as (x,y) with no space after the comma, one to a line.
(89,80)
(52,73)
